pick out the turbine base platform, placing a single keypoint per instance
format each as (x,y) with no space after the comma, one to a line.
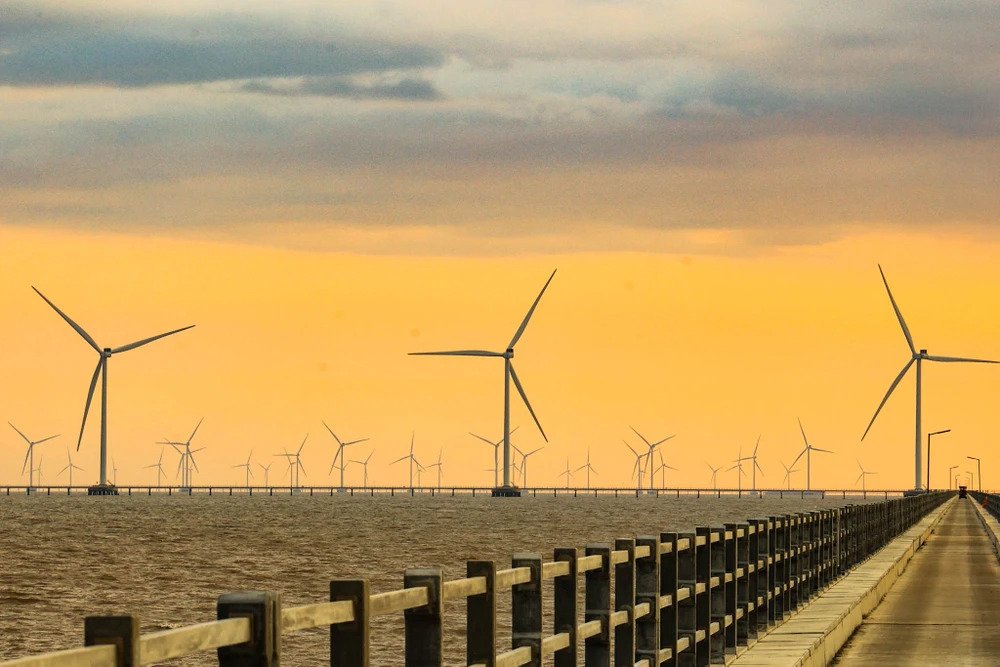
(102,490)
(506,492)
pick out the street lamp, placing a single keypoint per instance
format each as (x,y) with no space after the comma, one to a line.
(949,476)
(979,470)
(947,430)
(971,477)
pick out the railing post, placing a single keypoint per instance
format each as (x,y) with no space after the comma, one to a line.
(481,616)
(743,586)
(349,642)
(526,607)
(597,649)
(263,609)
(703,603)
(625,600)
(717,594)
(423,624)
(647,589)
(730,583)
(122,632)
(668,586)
(687,610)
(566,607)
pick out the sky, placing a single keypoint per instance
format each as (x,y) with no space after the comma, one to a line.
(324,189)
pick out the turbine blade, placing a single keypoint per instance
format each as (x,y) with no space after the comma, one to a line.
(799,456)
(758,466)
(354,442)
(660,442)
(334,435)
(488,442)
(299,451)
(826,451)
(90,397)
(403,458)
(20,434)
(641,436)
(38,442)
(892,387)
(931,357)
(457,353)
(755,447)
(26,455)
(146,341)
(524,322)
(859,478)
(197,426)
(635,453)
(899,315)
(76,327)
(801,428)
(524,397)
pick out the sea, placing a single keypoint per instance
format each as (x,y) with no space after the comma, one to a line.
(168,558)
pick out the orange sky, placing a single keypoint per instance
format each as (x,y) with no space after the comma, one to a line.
(715,348)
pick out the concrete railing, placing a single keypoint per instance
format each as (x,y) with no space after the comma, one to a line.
(674,598)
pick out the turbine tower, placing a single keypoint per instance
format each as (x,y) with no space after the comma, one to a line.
(159,468)
(411,457)
(808,450)
(649,454)
(102,371)
(589,468)
(788,474)
(915,358)
(295,463)
(365,464)
(246,465)
(29,456)
(70,466)
(340,453)
(715,474)
(508,375)
(756,466)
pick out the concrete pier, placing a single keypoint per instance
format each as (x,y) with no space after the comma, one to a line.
(945,608)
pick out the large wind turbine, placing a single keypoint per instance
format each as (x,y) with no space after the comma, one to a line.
(508,375)
(29,456)
(915,357)
(102,372)
(649,454)
(340,453)
(808,450)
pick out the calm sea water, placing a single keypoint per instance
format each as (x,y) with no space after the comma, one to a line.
(168,558)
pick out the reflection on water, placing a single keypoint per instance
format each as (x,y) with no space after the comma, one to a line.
(168,558)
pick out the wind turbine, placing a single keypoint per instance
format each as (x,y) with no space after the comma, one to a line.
(740,474)
(863,477)
(187,455)
(246,465)
(567,473)
(662,469)
(496,454)
(508,375)
(788,474)
(918,358)
(159,468)
(524,465)
(808,450)
(439,466)
(39,470)
(340,453)
(411,457)
(637,468)
(365,464)
(114,472)
(70,467)
(589,468)
(102,372)
(267,470)
(756,466)
(29,456)
(649,454)
(295,463)
(715,473)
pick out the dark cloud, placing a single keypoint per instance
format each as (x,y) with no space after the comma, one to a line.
(405,89)
(71,49)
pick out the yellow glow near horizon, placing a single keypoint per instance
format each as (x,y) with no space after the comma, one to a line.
(716,349)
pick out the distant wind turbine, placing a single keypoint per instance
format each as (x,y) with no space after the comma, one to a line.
(649,454)
(524,465)
(808,450)
(29,455)
(340,453)
(662,469)
(365,465)
(439,466)
(740,473)
(567,473)
(589,468)
(412,459)
(38,470)
(70,466)
(756,466)
(788,474)
(918,358)
(159,468)
(509,375)
(187,455)
(496,454)
(637,468)
(114,472)
(102,372)
(266,469)
(295,463)
(246,465)
(715,473)
(863,477)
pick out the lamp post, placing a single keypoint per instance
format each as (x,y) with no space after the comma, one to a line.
(979,470)
(949,476)
(947,430)
(971,478)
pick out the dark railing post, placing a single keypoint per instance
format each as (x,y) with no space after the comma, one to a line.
(122,632)
(597,648)
(647,590)
(625,601)
(566,603)
(687,610)
(263,609)
(718,593)
(423,624)
(703,604)
(526,608)
(349,642)
(481,616)
(731,584)
(669,586)
(743,585)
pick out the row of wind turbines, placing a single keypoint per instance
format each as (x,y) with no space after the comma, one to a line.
(506,487)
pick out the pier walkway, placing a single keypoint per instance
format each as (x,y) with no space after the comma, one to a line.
(945,608)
